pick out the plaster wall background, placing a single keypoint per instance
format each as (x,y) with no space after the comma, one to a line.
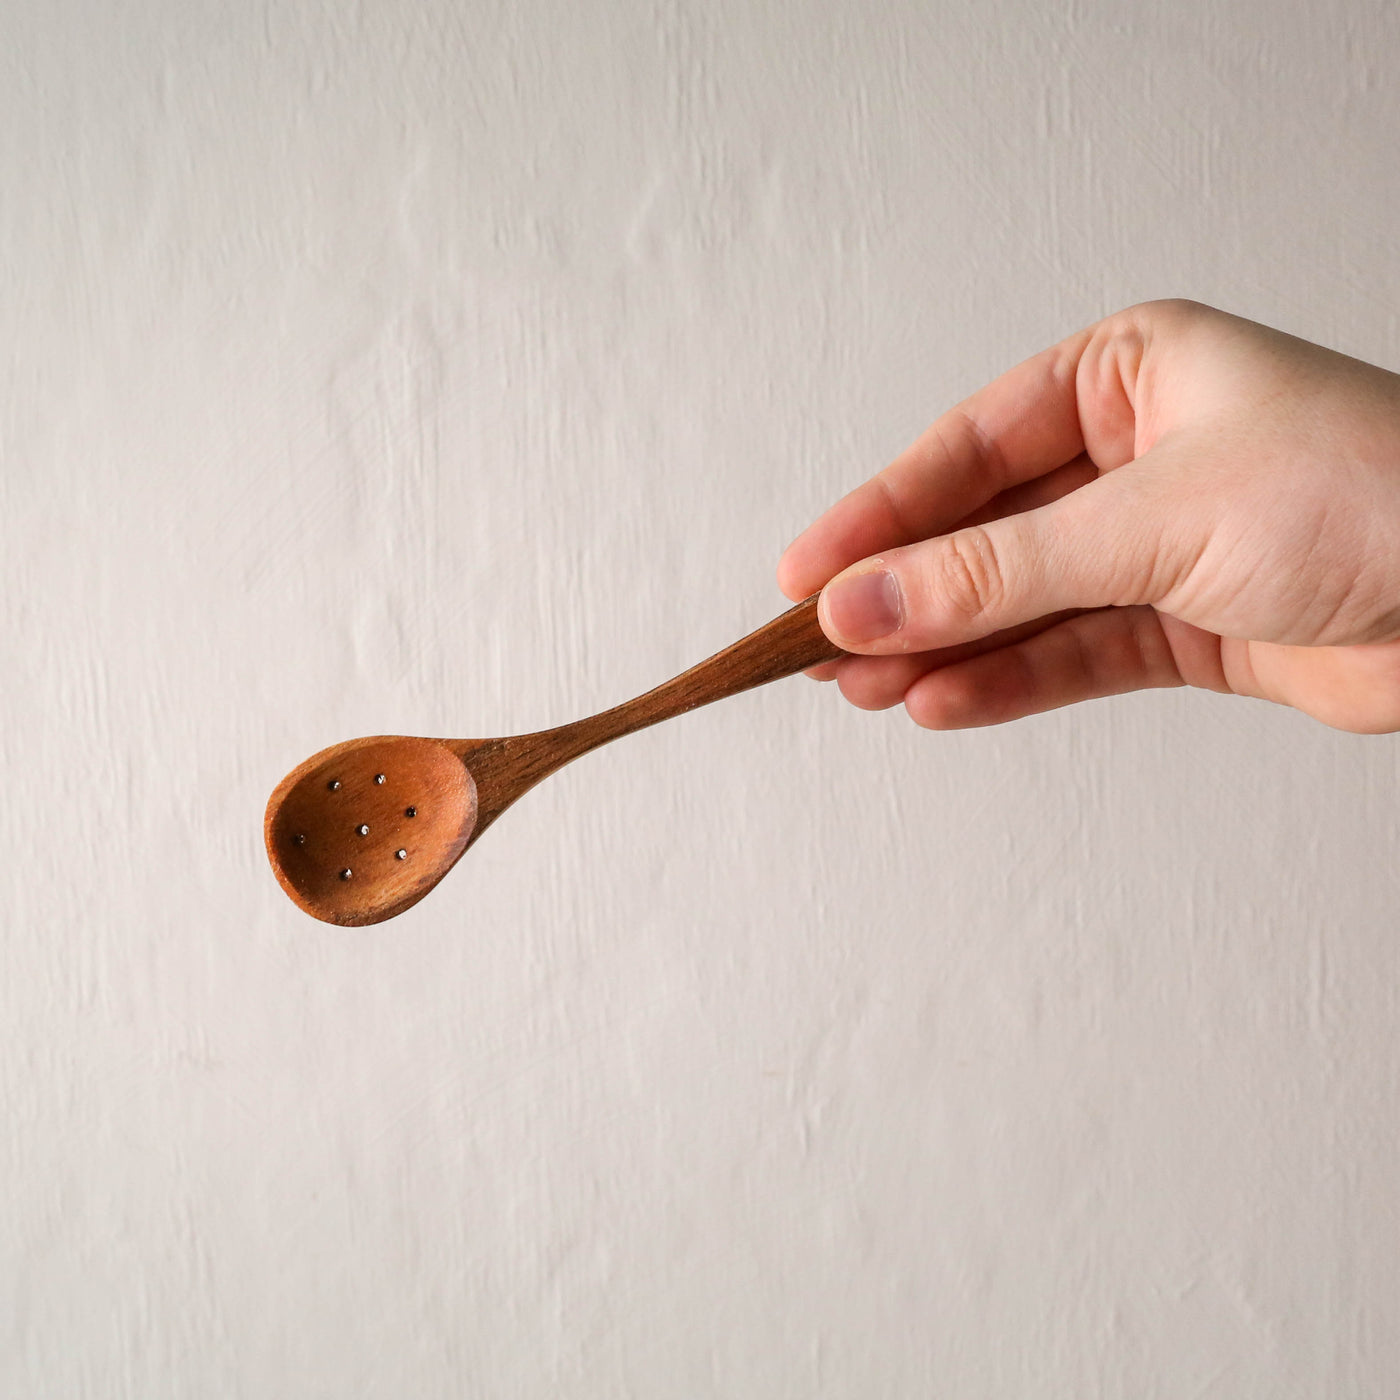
(461,368)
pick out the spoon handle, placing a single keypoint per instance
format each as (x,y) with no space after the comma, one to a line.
(503,769)
(791,642)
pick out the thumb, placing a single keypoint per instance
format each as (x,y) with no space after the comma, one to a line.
(1090,549)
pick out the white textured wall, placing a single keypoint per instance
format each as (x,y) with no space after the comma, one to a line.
(459,368)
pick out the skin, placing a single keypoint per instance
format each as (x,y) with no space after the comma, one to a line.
(1212,503)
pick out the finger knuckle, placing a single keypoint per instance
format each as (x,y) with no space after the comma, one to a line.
(1165,309)
(967,576)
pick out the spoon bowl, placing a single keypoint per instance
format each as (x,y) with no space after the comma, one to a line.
(363,830)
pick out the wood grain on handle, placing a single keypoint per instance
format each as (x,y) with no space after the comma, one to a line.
(790,643)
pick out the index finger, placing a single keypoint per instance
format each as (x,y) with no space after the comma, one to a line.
(1018,427)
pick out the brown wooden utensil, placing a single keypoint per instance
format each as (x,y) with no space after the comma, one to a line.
(363,830)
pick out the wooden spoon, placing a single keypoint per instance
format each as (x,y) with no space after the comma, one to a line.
(363,830)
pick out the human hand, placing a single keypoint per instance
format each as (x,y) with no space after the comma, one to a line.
(1174,496)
